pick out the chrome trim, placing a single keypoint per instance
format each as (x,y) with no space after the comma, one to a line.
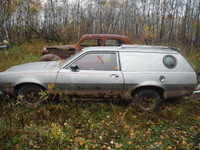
(198,86)
(196,92)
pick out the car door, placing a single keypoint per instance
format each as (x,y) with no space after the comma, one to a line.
(94,74)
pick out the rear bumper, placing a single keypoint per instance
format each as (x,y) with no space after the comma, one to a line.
(177,93)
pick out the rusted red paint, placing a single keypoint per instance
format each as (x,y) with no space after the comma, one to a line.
(49,57)
(65,51)
(93,93)
(168,94)
(103,37)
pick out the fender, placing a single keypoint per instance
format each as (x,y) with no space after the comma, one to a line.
(49,57)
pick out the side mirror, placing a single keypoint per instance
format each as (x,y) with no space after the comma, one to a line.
(74,67)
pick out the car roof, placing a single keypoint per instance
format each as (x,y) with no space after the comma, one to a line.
(105,35)
(108,36)
(134,48)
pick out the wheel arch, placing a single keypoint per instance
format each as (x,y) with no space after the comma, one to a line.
(17,87)
(160,90)
(49,57)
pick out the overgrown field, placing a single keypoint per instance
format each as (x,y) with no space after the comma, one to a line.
(67,124)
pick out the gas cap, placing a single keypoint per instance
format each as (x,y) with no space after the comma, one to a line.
(162,78)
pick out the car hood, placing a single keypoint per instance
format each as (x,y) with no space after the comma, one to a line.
(35,66)
(62,47)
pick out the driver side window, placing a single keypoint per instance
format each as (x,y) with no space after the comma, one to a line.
(98,61)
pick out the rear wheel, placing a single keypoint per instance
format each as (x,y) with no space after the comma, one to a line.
(147,99)
(29,95)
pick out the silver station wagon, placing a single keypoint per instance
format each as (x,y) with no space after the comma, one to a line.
(145,74)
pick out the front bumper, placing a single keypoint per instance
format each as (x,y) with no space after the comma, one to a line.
(7,88)
(198,90)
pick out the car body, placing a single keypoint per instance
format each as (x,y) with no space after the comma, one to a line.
(146,74)
(64,51)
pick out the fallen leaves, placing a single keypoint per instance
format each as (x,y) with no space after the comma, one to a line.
(99,128)
(170,147)
(184,143)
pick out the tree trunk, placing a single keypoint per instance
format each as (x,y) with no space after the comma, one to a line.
(1,21)
(5,23)
(197,25)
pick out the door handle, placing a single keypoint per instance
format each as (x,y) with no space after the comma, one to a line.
(115,75)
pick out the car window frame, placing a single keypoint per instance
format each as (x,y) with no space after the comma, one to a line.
(164,62)
(116,39)
(95,52)
(91,39)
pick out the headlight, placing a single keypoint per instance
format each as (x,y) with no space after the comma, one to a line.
(45,51)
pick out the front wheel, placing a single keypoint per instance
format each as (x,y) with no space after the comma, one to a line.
(29,95)
(147,99)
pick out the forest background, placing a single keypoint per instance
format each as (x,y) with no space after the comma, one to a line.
(166,22)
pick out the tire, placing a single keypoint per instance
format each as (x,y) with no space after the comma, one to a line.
(147,99)
(29,95)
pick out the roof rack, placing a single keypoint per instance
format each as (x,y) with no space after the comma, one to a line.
(148,46)
(143,46)
(175,49)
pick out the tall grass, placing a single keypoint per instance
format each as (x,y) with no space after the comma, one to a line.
(27,52)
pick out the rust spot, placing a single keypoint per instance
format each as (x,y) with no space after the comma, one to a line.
(169,94)
(98,88)
(65,51)
(49,57)
(95,94)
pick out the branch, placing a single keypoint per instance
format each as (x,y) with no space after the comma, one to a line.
(34,30)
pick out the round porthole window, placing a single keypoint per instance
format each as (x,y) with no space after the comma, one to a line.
(169,61)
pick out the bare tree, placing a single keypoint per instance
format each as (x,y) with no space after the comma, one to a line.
(163,21)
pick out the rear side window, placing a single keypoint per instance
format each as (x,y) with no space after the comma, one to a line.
(113,42)
(91,42)
(169,61)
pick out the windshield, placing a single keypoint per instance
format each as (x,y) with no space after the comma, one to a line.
(65,61)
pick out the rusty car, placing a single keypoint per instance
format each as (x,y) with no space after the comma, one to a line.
(64,51)
(144,74)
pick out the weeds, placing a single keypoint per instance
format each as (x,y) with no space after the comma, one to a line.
(99,125)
